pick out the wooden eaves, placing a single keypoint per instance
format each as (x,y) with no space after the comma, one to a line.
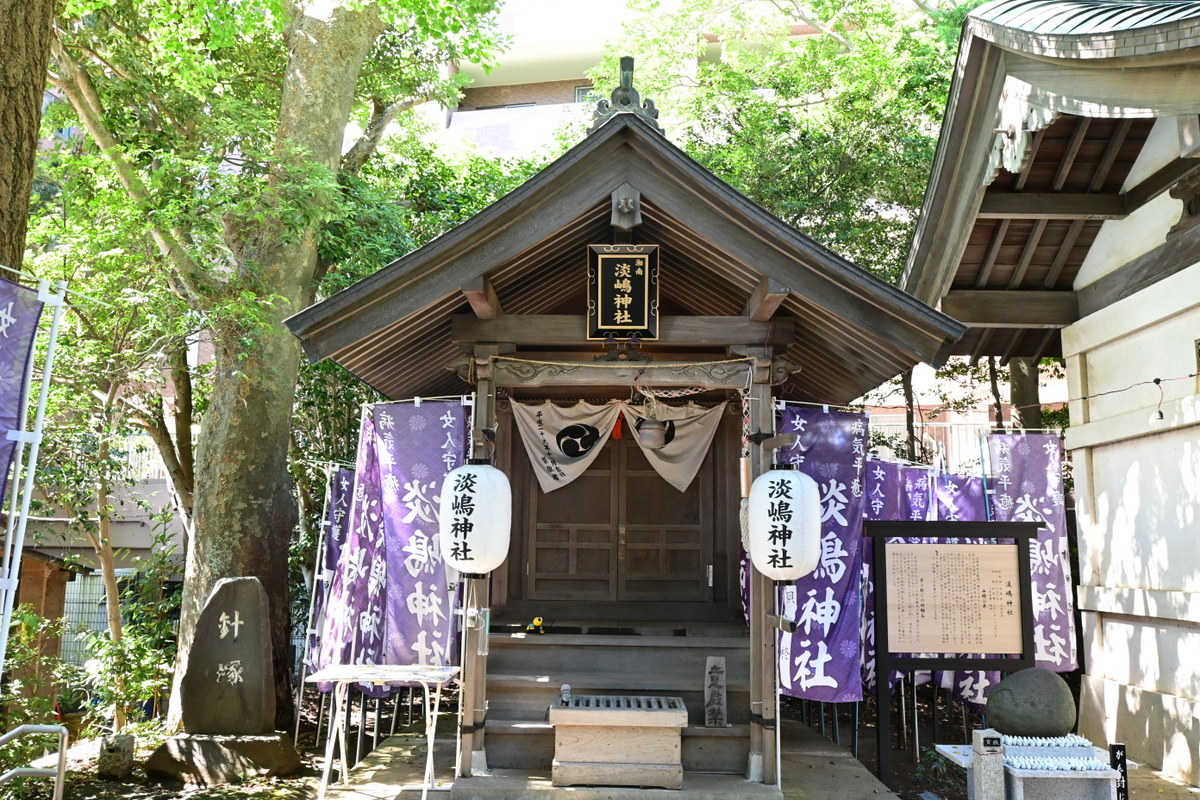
(1051,105)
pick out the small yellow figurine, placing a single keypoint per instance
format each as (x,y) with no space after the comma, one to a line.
(536,625)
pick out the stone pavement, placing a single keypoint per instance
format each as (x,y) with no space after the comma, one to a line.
(813,767)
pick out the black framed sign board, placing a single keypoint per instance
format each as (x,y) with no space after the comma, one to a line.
(944,598)
(622,291)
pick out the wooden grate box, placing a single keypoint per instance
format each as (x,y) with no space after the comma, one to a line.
(618,740)
(613,702)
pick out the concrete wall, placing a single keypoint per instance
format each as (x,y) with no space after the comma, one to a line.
(1138,499)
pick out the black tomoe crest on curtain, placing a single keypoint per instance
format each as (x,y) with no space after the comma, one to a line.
(576,441)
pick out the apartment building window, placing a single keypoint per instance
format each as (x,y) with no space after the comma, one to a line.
(585,94)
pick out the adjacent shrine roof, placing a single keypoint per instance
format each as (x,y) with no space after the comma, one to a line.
(1077,17)
(720,254)
(1052,103)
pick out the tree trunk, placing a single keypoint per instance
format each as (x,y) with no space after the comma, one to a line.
(102,543)
(910,422)
(24,52)
(994,384)
(245,510)
(1023,391)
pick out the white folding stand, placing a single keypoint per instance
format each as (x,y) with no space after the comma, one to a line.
(342,675)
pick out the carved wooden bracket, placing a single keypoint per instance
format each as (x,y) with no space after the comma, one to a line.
(781,370)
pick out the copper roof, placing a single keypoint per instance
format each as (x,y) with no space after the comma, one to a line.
(1078,17)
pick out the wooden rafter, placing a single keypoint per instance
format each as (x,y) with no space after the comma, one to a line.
(1031,244)
(1044,345)
(766,298)
(482,296)
(1160,181)
(989,260)
(980,348)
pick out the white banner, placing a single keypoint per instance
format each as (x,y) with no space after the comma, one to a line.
(563,441)
(690,431)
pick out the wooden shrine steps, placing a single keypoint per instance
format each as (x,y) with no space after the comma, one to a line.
(526,671)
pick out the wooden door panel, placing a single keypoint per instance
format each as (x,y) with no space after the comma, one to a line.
(573,537)
(572,563)
(666,535)
(620,532)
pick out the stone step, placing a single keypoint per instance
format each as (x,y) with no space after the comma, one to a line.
(525,672)
(625,627)
(533,654)
(503,784)
(529,745)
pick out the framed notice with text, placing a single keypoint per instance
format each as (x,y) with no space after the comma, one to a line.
(953,598)
(622,291)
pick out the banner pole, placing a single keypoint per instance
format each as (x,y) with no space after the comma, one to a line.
(318,567)
(13,563)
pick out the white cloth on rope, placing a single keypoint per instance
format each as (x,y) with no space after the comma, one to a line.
(562,442)
(690,431)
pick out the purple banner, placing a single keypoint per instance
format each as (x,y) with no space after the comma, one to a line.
(885,500)
(1028,487)
(821,660)
(340,493)
(418,446)
(959,498)
(354,617)
(392,599)
(20,311)
(918,493)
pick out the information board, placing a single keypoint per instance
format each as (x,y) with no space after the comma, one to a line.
(953,598)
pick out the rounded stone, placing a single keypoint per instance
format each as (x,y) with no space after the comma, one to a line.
(1032,702)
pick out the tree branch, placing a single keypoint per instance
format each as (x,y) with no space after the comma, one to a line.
(77,86)
(809,18)
(181,380)
(382,115)
(155,425)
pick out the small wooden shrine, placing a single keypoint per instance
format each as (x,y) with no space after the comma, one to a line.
(636,582)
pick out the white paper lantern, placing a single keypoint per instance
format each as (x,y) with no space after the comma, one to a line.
(476,517)
(785,524)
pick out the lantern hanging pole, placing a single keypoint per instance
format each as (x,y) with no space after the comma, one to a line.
(15,542)
(778,716)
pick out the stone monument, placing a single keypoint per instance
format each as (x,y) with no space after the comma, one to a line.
(1032,702)
(227,695)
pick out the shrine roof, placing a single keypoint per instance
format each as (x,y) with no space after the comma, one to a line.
(852,331)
